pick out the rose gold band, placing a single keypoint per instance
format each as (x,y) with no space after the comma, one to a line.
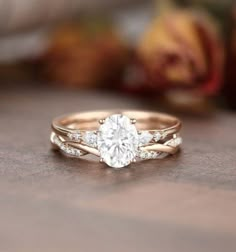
(89,121)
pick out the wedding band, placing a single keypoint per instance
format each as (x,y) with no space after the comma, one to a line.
(119,137)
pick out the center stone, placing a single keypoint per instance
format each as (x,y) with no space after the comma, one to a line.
(117,141)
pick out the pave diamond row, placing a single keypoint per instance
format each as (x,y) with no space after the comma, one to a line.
(69,150)
(148,154)
(173,142)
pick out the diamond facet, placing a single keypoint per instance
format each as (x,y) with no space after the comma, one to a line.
(117,141)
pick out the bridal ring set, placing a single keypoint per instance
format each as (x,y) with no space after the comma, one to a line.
(117,138)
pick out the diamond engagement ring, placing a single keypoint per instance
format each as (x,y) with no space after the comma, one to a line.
(119,137)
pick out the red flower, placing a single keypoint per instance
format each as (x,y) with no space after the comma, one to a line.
(182,50)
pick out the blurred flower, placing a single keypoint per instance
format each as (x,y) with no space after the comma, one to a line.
(182,51)
(82,55)
(230,73)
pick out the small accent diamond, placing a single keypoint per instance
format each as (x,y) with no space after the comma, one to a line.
(90,138)
(63,147)
(68,150)
(143,155)
(157,136)
(72,151)
(149,154)
(144,137)
(154,154)
(174,142)
(75,136)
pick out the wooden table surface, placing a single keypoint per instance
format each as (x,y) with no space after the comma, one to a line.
(50,203)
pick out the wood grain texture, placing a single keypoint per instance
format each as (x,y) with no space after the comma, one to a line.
(50,203)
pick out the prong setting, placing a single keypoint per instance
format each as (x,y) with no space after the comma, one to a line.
(101,121)
(133,120)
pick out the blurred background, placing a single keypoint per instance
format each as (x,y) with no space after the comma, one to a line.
(180,54)
(59,56)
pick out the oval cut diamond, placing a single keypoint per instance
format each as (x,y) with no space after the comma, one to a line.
(117,141)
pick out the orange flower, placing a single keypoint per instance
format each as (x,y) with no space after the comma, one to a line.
(79,56)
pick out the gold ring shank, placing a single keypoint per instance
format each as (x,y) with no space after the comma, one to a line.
(89,121)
